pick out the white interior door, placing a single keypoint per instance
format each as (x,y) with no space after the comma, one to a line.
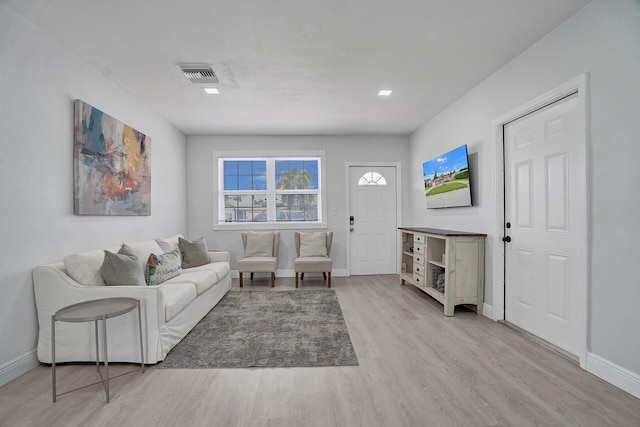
(373,230)
(543,213)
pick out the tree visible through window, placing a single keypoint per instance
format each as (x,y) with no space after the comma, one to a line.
(270,190)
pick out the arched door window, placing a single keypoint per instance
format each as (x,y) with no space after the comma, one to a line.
(372,178)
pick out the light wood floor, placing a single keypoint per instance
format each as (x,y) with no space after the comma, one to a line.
(417,368)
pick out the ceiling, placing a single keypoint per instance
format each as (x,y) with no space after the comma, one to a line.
(298,66)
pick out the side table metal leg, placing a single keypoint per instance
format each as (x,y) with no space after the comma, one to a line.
(106,360)
(53,357)
(140,335)
(97,348)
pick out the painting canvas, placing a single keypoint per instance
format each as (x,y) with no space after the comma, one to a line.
(112,165)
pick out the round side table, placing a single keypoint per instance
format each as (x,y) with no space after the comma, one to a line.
(92,311)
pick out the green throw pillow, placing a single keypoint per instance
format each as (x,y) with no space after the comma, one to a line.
(121,270)
(193,253)
(163,267)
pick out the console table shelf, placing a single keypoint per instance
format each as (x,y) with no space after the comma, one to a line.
(447,265)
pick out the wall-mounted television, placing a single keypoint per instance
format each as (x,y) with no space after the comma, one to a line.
(446,180)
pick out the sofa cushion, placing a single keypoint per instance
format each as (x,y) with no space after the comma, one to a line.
(175,297)
(313,244)
(84,267)
(220,268)
(194,253)
(202,279)
(122,270)
(169,244)
(259,243)
(163,267)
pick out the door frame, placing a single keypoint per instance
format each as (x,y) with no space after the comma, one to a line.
(348,165)
(577,85)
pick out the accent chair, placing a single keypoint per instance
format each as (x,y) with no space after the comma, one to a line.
(260,254)
(313,251)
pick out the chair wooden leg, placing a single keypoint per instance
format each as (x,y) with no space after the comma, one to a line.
(329,281)
(324,275)
(273,279)
(240,279)
(296,279)
(251,275)
(301,276)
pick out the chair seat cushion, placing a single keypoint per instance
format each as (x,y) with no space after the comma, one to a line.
(313,264)
(257,264)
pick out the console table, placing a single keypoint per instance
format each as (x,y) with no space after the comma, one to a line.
(92,311)
(447,265)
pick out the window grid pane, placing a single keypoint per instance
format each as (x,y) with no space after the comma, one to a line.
(296,194)
(297,174)
(245,175)
(245,207)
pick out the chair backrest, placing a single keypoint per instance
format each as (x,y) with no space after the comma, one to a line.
(276,242)
(329,241)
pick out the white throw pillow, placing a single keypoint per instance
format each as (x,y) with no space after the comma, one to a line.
(143,249)
(313,244)
(84,267)
(259,244)
(169,244)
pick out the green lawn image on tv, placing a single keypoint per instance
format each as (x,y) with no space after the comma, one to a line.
(446,187)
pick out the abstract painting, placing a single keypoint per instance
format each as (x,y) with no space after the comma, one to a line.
(111,165)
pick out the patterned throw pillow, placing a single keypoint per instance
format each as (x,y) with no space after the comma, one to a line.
(163,267)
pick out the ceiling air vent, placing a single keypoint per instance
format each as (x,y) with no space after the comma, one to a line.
(199,73)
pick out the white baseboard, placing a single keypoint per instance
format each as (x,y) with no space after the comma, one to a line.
(617,375)
(487,311)
(18,366)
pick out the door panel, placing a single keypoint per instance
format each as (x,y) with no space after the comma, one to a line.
(540,269)
(373,205)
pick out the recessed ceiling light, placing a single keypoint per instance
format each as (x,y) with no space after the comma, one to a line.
(385,92)
(211,90)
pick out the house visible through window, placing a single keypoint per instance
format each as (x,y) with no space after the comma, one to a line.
(261,190)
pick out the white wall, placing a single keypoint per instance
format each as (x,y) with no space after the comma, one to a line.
(38,82)
(339,150)
(603,40)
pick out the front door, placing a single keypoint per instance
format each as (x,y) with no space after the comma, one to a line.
(543,211)
(372,214)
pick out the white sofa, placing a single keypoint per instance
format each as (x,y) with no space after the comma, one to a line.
(169,310)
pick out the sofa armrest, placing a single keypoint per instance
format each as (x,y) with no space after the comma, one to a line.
(54,289)
(219,256)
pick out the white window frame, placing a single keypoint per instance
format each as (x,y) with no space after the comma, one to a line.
(218,191)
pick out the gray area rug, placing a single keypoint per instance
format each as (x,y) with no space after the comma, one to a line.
(268,329)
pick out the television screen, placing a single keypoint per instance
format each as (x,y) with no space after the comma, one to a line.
(446,180)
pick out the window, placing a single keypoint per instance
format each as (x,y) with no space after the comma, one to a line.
(372,178)
(265,190)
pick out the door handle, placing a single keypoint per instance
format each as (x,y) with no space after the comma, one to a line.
(506,239)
